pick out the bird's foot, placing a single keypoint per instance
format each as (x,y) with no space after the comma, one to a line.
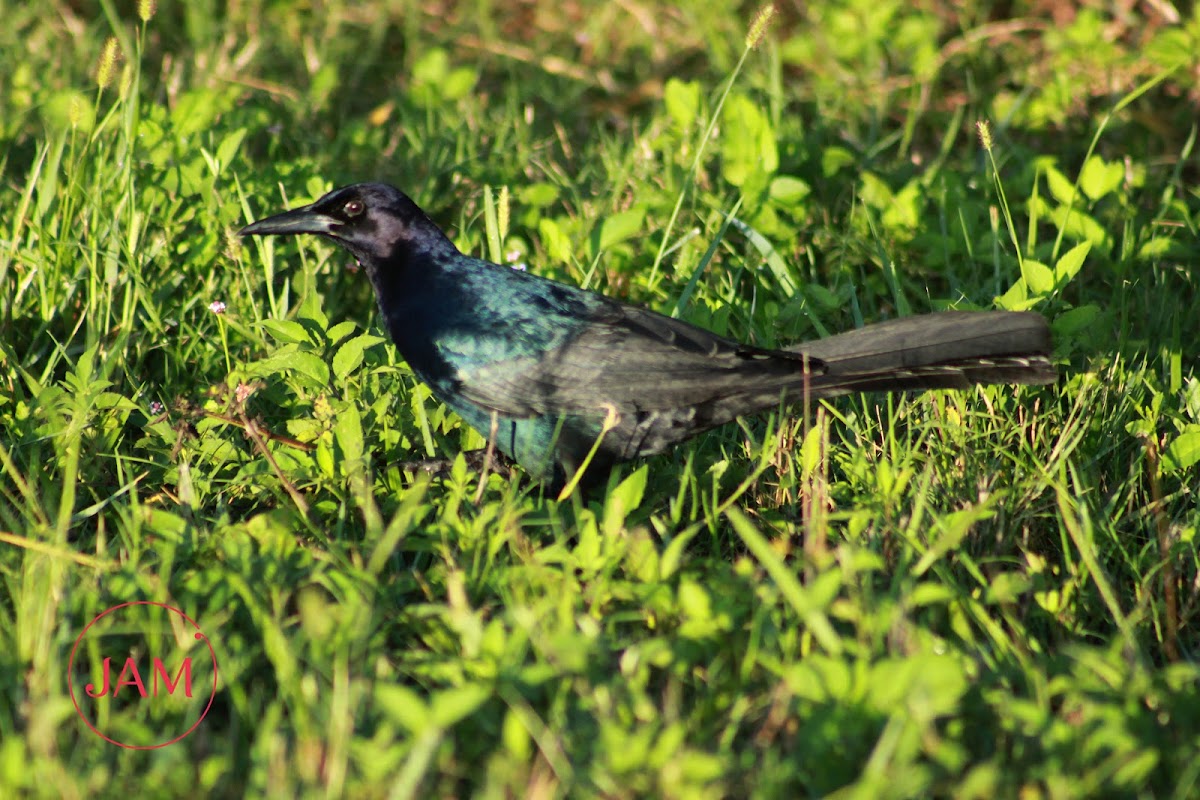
(477,460)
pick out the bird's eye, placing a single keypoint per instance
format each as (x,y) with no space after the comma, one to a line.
(353,208)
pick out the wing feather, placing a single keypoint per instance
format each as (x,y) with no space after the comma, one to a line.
(634,360)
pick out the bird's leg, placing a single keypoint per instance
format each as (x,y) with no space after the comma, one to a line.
(488,457)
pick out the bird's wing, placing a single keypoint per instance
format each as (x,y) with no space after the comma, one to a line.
(629,359)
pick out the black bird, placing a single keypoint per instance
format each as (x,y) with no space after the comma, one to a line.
(538,366)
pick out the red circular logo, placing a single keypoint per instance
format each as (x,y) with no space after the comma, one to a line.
(127,645)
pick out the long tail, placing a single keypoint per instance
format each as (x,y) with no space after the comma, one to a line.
(946,350)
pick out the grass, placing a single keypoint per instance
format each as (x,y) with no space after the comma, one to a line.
(969,594)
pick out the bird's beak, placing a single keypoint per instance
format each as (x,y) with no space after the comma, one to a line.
(298,220)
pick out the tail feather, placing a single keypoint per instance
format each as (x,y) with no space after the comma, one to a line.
(946,350)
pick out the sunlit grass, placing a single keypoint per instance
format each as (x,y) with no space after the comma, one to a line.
(971,594)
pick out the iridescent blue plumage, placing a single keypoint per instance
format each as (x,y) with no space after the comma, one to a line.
(538,366)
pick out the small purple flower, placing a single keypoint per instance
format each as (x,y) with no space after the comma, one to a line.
(513,257)
(216,307)
(156,407)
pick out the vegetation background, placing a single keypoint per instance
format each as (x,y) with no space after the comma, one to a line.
(971,594)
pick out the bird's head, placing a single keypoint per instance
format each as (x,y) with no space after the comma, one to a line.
(374,221)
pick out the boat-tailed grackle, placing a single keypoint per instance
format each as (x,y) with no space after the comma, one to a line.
(542,368)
